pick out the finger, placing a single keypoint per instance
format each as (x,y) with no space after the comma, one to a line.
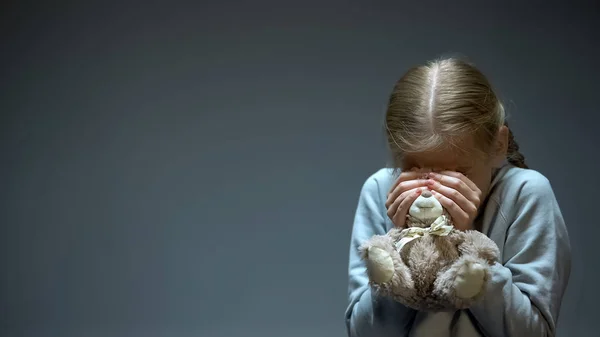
(465,204)
(458,185)
(399,218)
(403,187)
(393,208)
(459,217)
(463,178)
(404,176)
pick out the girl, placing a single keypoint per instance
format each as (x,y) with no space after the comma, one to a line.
(444,117)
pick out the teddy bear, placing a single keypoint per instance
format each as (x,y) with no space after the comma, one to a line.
(430,265)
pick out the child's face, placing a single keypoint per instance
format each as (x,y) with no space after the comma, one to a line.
(467,161)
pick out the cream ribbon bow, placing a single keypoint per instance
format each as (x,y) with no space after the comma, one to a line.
(439,227)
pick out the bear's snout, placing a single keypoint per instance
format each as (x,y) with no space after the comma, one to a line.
(426,208)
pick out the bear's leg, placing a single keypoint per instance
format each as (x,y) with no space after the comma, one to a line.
(463,282)
(386,270)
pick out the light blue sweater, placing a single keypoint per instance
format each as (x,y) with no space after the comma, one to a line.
(524,296)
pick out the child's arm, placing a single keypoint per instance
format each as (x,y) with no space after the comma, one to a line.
(367,315)
(525,293)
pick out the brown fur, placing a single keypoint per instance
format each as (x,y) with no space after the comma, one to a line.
(426,268)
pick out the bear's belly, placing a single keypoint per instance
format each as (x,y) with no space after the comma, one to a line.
(428,256)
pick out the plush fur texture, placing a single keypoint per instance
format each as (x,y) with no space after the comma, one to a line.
(430,272)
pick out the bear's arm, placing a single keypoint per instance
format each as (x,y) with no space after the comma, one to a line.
(525,293)
(366,314)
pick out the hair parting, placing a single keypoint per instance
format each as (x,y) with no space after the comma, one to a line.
(436,104)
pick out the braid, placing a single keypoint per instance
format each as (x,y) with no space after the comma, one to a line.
(513,155)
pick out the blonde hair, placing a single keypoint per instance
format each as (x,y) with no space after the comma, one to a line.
(438,104)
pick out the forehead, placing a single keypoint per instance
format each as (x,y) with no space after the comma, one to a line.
(462,155)
(438,160)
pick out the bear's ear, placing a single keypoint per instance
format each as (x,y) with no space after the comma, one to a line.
(500,146)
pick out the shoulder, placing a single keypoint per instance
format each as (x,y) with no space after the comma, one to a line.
(379,182)
(517,190)
(522,182)
(371,214)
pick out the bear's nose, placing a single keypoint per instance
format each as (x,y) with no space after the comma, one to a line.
(426,194)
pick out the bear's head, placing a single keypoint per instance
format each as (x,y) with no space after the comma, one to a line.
(424,211)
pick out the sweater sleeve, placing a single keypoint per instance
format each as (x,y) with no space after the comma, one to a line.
(526,289)
(368,315)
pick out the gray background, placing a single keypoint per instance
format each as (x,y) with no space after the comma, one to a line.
(192,169)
